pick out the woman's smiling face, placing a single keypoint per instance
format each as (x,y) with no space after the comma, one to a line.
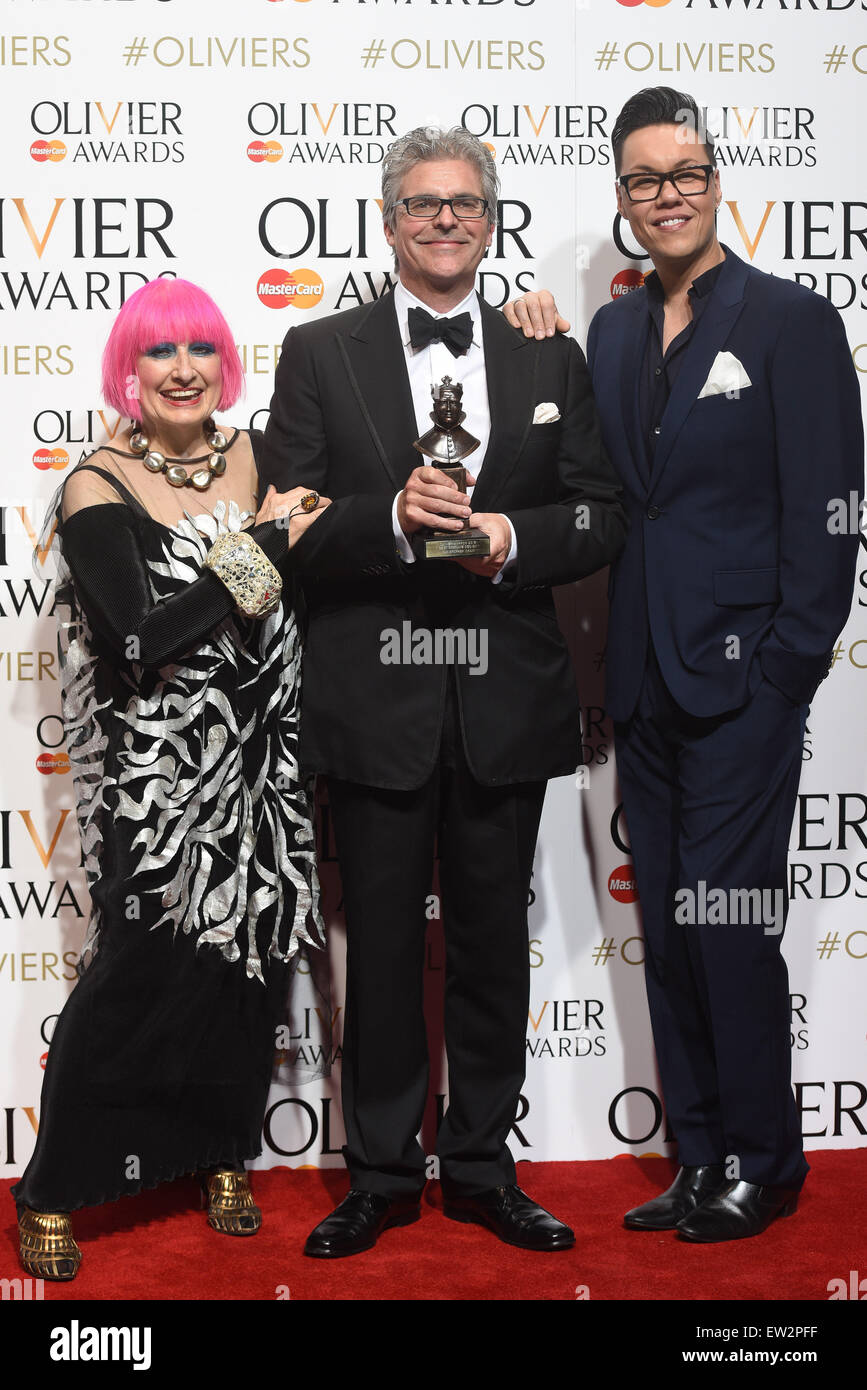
(179,383)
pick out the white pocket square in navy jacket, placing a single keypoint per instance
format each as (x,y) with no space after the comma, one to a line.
(727,376)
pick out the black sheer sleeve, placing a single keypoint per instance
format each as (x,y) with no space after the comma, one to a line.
(101,547)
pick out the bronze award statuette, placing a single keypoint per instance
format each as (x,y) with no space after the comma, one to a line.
(445,445)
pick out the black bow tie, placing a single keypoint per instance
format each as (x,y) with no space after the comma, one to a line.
(456,333)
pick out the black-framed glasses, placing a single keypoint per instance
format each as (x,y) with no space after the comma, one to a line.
(646,187)
(426,206)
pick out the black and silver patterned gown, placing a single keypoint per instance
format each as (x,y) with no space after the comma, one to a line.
(181,726)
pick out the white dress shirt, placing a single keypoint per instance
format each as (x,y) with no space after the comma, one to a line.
(430,364)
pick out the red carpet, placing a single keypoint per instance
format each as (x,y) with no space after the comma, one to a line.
(158,1246)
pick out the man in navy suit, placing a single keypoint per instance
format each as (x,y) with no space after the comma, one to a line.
(730,408)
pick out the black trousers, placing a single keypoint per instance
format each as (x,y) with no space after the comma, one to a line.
(385,844)
(710,802)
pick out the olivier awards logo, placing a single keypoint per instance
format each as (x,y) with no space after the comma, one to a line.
(340,132)
(120,132)
(556,134)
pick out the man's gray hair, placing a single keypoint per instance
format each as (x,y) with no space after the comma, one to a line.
(427,143)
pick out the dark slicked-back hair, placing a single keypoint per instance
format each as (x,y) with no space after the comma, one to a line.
(659,106)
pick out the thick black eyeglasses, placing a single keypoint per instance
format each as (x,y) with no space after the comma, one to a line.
(427,207)
(646,188)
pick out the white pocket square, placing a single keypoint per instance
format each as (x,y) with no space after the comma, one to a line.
(545,413)
(726,375)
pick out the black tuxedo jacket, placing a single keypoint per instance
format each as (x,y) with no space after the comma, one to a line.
(731,563)
(342,421)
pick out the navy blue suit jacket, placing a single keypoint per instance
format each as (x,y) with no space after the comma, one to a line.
(729,535)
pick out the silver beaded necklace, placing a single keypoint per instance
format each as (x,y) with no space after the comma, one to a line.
(175,473)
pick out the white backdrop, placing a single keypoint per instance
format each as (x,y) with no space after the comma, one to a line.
(235,144)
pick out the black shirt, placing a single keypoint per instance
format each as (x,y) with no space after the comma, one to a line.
(660,369)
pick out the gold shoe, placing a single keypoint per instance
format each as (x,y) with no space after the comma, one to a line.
(46,1248)
(231,1208)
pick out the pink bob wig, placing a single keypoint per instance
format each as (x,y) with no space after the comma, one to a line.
(165,311)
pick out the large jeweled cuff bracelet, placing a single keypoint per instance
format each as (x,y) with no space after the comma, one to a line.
(247,573)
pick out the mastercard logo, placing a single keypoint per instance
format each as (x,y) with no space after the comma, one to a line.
(42,1060)
(621,884)
(264,150)
(654,4)
(47,763)
(50,458)
(302,289)
(624,282)
(43,150)
(488,146)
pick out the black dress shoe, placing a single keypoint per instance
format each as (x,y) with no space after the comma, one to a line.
(691,1187)
(513,1216)
(738,1209)
(358,1223)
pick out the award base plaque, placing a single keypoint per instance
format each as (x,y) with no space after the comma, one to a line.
(444,446)
(457,545)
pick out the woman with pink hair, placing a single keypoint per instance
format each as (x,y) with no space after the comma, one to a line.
(180,702)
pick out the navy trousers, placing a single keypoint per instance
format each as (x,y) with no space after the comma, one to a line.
(709,804)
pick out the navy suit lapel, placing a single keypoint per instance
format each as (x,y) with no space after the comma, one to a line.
(511,380)
(631,367)
(375,362)
(710,334)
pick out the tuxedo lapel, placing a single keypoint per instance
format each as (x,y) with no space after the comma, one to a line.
(710,335)
(375,362)
(510,371)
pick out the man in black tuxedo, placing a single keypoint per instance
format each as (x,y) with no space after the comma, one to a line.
(460,751)
(730,406)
